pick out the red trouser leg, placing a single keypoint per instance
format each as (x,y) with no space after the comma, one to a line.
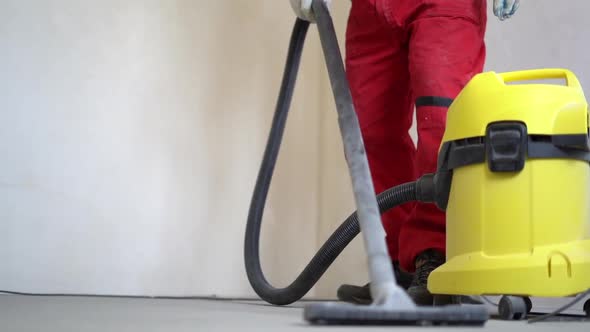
(399,51)
(377,70)
(446,49)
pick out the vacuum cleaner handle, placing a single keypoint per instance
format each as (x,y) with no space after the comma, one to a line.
(543,74)
(384,289)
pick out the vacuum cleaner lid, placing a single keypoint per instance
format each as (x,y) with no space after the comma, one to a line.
(545,109)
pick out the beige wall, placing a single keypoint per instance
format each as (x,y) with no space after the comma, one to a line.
(131,136)
(131,133)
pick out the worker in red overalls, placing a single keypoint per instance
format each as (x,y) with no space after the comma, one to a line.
(401,56)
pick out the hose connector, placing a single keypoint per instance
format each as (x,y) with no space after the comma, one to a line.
(425,190)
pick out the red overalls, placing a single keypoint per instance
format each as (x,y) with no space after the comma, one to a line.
(401,54)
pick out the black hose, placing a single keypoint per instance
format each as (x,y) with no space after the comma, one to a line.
(345,232)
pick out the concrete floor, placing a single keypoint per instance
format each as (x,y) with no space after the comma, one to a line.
(82,314)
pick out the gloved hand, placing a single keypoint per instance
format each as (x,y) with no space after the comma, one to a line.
(504,9)
(303,9)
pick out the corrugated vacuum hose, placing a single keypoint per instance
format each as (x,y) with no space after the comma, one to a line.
(343,235)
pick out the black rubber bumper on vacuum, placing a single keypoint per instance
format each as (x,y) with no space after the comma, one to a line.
(343,235)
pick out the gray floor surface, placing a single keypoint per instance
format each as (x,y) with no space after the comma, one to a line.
(81,314)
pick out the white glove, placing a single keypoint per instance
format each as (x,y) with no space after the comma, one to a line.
(504,9)
(303,9)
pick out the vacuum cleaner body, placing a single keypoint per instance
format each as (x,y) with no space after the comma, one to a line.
(514,174)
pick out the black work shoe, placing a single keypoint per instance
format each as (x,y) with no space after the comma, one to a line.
(362,294)
(426,262)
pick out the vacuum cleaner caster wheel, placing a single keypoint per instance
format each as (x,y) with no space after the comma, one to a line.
(587,308)
(514,307)
(529,304)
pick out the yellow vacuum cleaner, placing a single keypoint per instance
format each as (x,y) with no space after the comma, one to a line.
(513,178)
(515,166)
